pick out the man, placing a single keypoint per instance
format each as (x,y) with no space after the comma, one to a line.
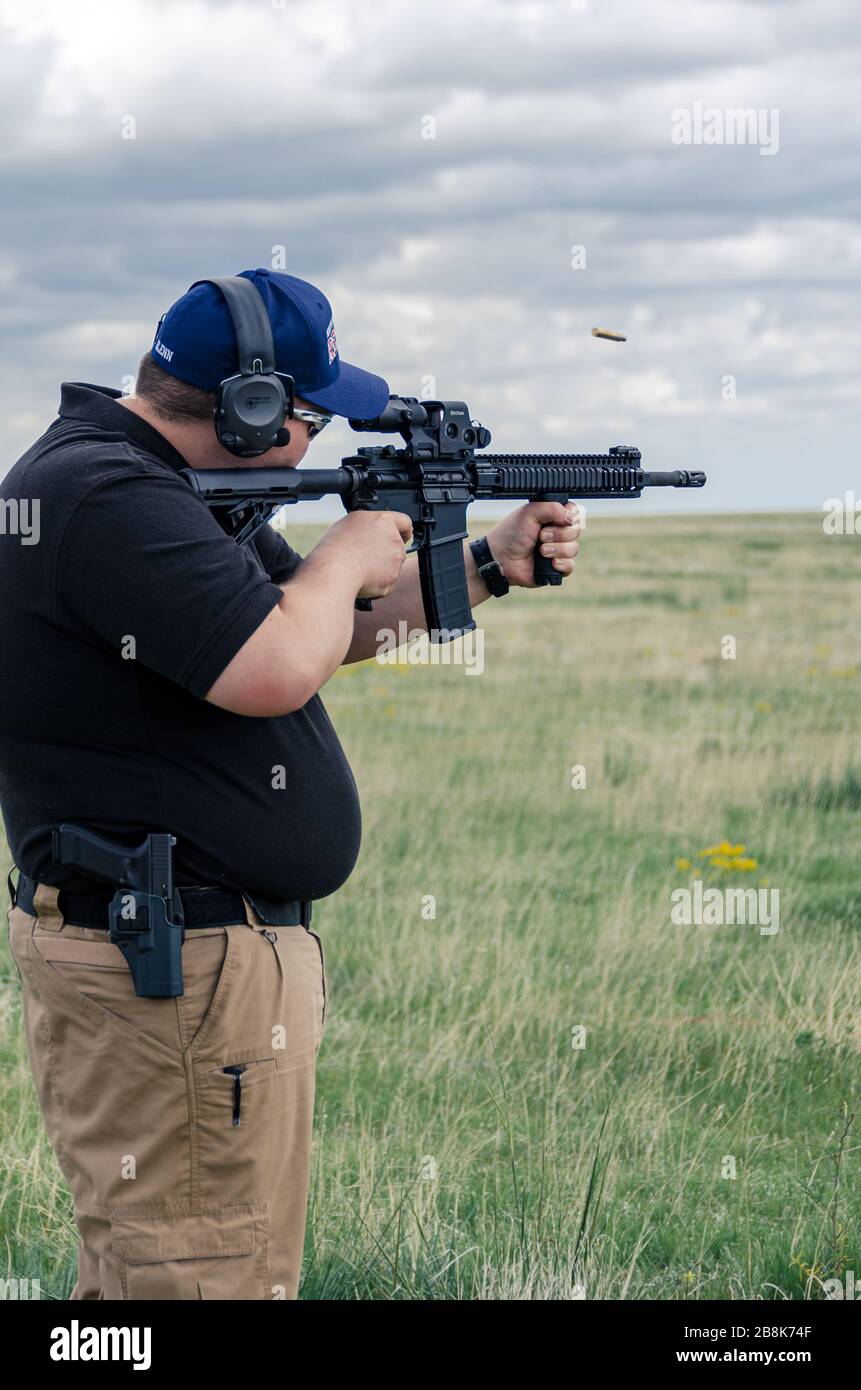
(161,678)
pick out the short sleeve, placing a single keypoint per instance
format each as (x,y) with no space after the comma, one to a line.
(144,567)
(279,559)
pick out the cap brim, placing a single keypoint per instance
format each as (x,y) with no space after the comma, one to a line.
(357,394)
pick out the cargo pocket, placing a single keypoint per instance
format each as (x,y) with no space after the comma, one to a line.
(218,1253)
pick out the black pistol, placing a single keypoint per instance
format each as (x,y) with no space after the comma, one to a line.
(145,914)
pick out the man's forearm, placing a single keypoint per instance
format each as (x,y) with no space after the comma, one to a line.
(299,644)
(404,605)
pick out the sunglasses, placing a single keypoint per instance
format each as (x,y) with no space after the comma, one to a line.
(314,419)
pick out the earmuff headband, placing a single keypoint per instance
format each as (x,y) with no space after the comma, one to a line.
(250,320)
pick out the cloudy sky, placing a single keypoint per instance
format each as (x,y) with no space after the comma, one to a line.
(475,184)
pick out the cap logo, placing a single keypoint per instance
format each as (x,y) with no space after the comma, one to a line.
(165,352)
(331,341)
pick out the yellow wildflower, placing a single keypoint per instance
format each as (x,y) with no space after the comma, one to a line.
(727,856)
(724,848)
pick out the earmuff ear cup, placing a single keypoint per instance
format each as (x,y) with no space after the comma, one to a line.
(250,407)
(249,413)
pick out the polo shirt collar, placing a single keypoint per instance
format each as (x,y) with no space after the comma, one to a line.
(98,405)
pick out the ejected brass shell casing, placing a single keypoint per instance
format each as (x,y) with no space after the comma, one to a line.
(608,333)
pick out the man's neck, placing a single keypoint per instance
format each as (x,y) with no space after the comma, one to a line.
(194,439)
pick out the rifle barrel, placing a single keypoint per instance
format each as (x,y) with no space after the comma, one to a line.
(679,477)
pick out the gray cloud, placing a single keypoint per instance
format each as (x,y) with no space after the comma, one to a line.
(258,126)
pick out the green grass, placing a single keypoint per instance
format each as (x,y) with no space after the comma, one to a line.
(465,1149)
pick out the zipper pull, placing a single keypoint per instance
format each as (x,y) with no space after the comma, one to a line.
(236,1073)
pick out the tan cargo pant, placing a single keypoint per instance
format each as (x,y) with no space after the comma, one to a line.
(173,1198)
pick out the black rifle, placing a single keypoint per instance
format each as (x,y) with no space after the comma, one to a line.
(433,479)
(140,911)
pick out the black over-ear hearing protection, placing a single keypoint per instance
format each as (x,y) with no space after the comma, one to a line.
(250,407)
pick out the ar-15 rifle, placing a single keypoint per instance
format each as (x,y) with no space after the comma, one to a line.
(433,479)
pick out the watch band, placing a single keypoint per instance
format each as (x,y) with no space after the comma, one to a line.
(488,568)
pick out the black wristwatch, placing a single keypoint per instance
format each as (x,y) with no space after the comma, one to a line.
(488,568)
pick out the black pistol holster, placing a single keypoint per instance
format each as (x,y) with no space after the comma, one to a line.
(145,914)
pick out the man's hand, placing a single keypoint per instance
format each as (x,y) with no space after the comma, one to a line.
(375,543)
(552,524)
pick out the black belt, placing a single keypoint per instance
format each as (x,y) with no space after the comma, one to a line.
(202,907)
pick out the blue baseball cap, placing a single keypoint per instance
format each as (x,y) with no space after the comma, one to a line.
(196,342)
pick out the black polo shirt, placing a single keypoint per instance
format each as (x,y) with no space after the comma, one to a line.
(114,624)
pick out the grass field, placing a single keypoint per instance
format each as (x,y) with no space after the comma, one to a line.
(704,1142)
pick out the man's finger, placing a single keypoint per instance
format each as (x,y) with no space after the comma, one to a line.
(404,525)
(567,549)
(553,513)
(559,533)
